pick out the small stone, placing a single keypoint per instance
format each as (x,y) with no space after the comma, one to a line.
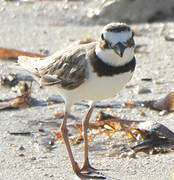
(33,158)
(131,154)
(144,91)
(21,155)
(21,148)
(163,112)
(146,79)
(143,114)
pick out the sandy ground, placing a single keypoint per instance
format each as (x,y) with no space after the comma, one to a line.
(51,26)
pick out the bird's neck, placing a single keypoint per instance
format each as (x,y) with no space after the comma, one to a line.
(110,57)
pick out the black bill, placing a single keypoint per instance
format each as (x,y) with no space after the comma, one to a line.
(119,48)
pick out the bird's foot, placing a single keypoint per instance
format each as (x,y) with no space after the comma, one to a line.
(87,175)
(88,167)
(86,172)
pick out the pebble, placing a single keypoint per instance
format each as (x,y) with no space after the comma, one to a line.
(144,91)
(131,155)
(21,148)
(146,79)
(21,155)
(33,158)
(143,114)
(163,112)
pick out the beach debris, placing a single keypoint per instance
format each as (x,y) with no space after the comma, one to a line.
(147,79)
(21,148)
(156,137)
(45,143)
(15,82)
(140,48)
(129,104)
(21,155)
(6,53)
(20,133)
(144,90)
(21,88)
(150,136)
(23,100)
(9,80)
(166,103)
(44,52)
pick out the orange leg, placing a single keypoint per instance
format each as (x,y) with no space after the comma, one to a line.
(75,166)
(86,165)
(64,132)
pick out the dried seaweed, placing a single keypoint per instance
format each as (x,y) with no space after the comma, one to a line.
(6,53)
(151,136)
(23,100)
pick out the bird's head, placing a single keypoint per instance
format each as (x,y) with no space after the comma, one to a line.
(116,44)
(118,37)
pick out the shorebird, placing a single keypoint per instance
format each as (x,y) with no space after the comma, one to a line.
(92,71)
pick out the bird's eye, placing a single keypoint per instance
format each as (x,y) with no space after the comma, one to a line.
(102,37)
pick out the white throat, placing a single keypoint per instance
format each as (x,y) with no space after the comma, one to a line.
(110,57)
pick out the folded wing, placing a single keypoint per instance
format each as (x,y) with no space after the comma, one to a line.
(67,69)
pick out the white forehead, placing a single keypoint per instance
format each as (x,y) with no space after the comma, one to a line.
(115,37)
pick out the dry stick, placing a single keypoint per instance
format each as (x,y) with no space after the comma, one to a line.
(6,53)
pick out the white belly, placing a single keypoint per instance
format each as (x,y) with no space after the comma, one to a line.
(97,88)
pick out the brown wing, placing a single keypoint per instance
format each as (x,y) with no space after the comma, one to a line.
(68,69)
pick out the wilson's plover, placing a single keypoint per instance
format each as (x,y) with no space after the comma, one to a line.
(92,71)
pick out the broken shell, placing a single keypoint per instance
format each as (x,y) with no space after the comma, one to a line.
(166,103)
(9,80)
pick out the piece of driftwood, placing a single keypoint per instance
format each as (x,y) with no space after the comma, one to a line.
(6,53)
